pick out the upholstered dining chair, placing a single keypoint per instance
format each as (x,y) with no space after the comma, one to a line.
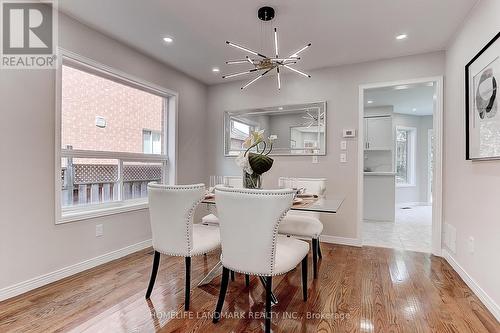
(305,224)
(249,221)
(229,181)
(212,219)
(171,209)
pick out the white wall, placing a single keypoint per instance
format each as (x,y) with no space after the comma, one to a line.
(471,190)
(338,86)
(30,243)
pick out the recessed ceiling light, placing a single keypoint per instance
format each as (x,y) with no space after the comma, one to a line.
(369,102)
(401,87)
(168,40)
(215,70)
(280,108)
(414,109)
(401,36)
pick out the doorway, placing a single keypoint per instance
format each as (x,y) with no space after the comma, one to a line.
(399,170)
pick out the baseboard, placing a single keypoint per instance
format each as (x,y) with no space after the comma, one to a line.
(45,279)
(488,302)
(341,240)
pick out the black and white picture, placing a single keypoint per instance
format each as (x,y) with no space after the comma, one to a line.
(485,86)
(482,75)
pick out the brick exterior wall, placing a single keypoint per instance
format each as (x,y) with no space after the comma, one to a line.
(127,112)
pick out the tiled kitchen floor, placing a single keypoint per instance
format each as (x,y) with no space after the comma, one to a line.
(412,230)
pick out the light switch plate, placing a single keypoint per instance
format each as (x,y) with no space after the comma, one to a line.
(343,145)
(99,230)
(315,159)
(343,158)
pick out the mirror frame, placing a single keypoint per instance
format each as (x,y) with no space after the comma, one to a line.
(228,114)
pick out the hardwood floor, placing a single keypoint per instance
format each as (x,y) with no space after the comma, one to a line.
(358,290)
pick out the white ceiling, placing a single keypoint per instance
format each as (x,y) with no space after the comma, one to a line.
(341,31)
(417,99)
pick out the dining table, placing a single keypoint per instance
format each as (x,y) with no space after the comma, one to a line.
(305,203)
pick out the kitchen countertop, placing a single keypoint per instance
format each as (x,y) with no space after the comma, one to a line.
(374,173)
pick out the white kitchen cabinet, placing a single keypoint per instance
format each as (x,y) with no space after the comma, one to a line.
(379,196)
(378,133)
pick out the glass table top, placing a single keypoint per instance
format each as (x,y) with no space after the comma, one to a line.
(318,205)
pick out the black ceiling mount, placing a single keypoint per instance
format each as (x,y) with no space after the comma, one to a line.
(266,13)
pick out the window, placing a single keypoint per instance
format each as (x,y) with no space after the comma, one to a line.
(239,132)
(405,156)
(151,142)
(113,140)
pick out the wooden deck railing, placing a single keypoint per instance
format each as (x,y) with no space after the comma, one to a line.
(75,191)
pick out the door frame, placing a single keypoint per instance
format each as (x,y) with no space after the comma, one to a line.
(430,134)
(437,210)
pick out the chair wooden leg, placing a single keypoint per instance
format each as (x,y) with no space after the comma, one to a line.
(274,300)
(156,263)
(304,278)
(188,284)
(232,276)
(315,257)
(319,250)
(269,288)
(222,294)
(247,280)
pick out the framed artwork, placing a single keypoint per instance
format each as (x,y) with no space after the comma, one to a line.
(482,103)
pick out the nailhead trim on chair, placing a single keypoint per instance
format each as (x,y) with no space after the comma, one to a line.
(251,191)
(273,252)
(190,255)
(275,237)
(189,220)
(274,274)
(275,229)
(293,235)
(312,236)
(189,216)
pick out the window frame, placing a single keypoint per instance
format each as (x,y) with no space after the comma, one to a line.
(251,127)
(169,145)
(412,151)
(151,132)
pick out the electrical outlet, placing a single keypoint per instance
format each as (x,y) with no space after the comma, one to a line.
(99,230)
(343,145)
(315,159)
(343,158)
(471,245)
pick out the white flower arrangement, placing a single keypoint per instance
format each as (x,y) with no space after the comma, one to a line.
(243,163)
(259,159)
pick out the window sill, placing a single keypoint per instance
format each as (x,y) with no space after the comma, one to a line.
(406,185)
(72,215)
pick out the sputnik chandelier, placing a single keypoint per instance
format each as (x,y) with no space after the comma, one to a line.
(311,119)
(263,64)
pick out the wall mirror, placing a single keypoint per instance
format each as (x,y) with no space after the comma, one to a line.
(298,129)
